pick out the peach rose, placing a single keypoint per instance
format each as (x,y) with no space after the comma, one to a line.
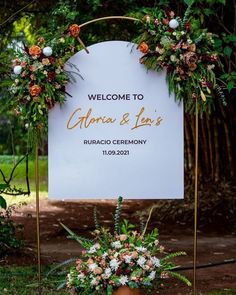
(35,50)
(35,90)
(45,61)
(97,271)
(134,255)
(74,30)
(90,261)
(143,47)
(123,237)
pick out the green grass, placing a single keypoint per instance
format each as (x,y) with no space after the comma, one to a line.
(7,164)
(23,281)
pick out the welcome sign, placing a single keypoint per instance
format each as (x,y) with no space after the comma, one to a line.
(120,133)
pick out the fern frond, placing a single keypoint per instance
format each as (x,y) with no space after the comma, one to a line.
(173,255)
(180,277)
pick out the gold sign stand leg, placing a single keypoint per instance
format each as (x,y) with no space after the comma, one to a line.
(37,216)
(195,206)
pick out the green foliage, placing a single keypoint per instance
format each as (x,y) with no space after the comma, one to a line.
(117,215)
(8,231)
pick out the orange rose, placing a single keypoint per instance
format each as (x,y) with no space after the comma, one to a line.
(35,50)
(143,47)
(35,90)
(74,30)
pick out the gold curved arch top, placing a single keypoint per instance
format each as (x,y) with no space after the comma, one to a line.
(108,18)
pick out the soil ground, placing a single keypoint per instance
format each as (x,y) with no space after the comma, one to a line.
(213,245)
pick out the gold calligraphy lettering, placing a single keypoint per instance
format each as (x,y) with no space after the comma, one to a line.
(87,120)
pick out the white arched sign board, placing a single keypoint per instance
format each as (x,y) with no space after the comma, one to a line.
(119,134)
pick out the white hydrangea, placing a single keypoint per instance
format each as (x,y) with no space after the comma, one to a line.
(152,275)
(94,248)
(141,261)
(123,280)
(92,266)
(114,264)
(104,255)
(127,258)
(107,273)
(116,245)
(156,262)
(141,249)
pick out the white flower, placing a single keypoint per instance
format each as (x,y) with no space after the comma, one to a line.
(114,264)
(156,261)
(173,24)
(81,276)
(128,258)
(173,58)
(141,249)
(104,255)
(94,282)
(17,70)
(152,275)
(107,273)
(141,261)
(62,40)
(92,266)
(210,67)
(116,245)
(92,250)
(47,51)
(189,41)
(123,280)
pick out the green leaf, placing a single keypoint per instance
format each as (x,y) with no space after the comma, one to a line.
(208,11)
(230,86)
(3,203)
(228,51)
(231,38)
(222,1)
(188,2)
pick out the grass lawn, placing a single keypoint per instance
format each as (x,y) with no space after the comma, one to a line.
(7,164)
(23,281)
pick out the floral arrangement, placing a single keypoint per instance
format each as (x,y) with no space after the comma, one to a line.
(186,52)
(39,76)
(123,258)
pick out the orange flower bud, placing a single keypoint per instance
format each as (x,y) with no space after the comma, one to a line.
(74,30)
(143,47)
(35,50)
(35,90)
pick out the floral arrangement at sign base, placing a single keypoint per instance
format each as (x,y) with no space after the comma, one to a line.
(121,262)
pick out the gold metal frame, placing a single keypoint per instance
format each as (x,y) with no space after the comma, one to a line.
(195,185)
